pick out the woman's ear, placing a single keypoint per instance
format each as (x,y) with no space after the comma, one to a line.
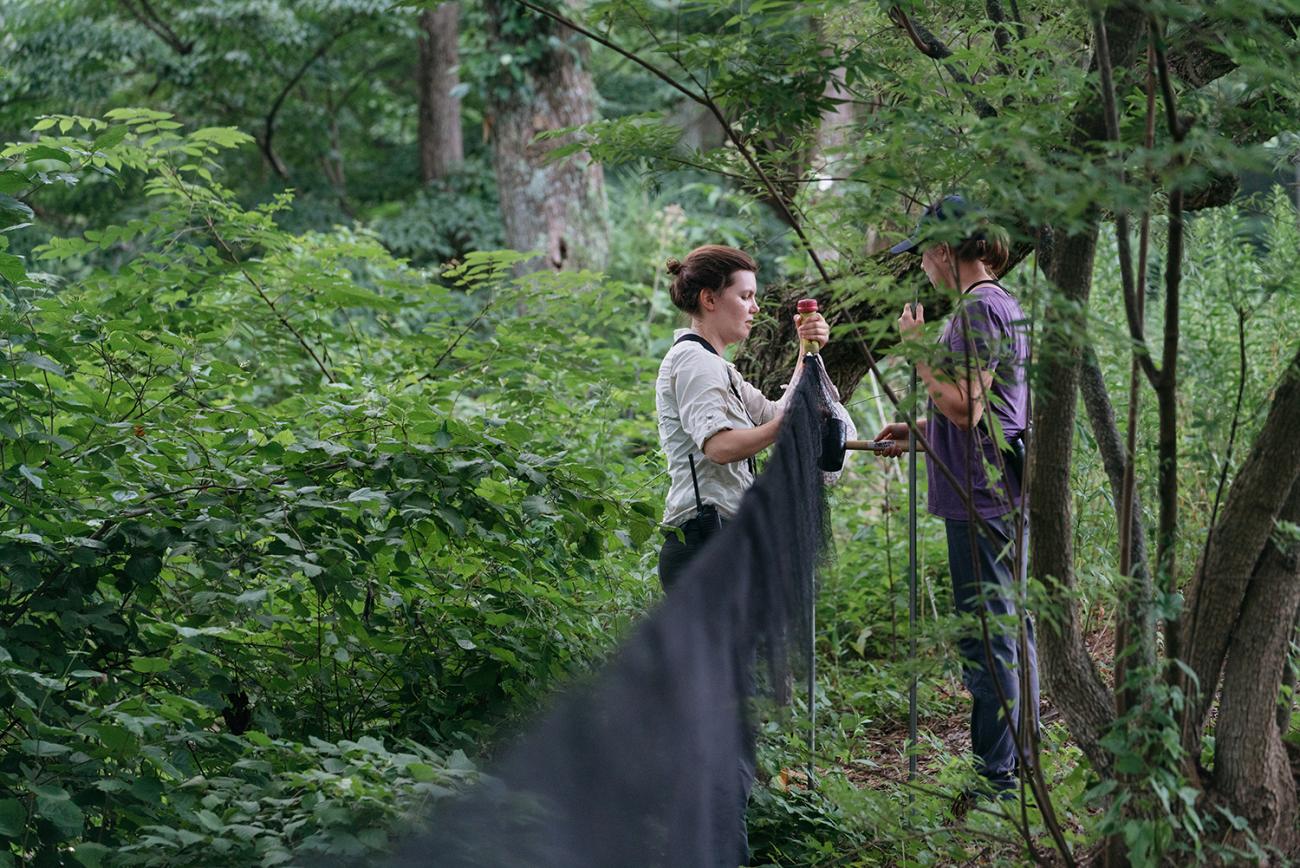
(707,299)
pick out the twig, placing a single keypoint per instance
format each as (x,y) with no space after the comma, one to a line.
(1243,370)
(932,47)
(269,122)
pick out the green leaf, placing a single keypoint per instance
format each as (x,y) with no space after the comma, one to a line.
(13,818)
(31,476)
(13,182)
(39,361)
(13,211)
(45,152)
(12,268)
(422,772)
(143,568)
(209,820)
(65,815)
(90,854)
(111,137)
(151,664)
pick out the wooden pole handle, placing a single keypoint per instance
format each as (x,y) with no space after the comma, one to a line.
(868,445)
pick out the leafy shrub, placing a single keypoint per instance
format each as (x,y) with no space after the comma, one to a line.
(270,502)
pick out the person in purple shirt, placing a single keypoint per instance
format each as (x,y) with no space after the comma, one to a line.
(978,411)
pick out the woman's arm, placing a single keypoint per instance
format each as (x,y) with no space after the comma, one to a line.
(737,444)
(810,327)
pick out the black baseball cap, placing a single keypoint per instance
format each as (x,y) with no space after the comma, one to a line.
(952,209)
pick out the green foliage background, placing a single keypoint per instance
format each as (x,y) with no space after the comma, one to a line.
(307,500)
(282,513)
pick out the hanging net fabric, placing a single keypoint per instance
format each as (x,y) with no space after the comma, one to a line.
(639,765)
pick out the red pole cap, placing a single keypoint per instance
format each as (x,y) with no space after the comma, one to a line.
(806,305)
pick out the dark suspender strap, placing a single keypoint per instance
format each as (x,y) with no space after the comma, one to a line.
(695,483)
(696,339)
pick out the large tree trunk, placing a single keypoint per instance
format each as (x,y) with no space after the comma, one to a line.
(1217,592)
(833,137)
(442,148)
(557,207)
(1251,769)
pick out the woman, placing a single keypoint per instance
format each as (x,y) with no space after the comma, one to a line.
(711,422)
(711,425)
(979,370)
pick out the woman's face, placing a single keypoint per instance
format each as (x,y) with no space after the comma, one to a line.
(936,262)
(734,308)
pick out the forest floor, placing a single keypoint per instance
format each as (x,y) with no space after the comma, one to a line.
(876,762)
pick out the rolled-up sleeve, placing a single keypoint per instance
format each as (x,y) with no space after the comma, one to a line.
(701,394)
(979,335)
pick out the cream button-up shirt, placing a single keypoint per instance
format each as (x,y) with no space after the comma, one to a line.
(695,400)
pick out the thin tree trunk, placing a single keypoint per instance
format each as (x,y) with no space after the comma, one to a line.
(556,207)
(1251,768)
(1137,597)
(1068,669)
(442,148)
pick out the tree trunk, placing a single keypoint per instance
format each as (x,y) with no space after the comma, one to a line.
(1251,768)
(1069,673)
(1137,597)
(556,207)
(441,146)
(1218,590)
(833,137)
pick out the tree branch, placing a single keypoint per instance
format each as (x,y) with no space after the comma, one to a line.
(1167,384)
(268,125)
(151,20)
(1110,113)
(1001,37)
(934,48)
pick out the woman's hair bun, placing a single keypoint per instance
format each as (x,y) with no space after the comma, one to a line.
(673,265)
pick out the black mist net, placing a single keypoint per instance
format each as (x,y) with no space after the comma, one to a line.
(640,764)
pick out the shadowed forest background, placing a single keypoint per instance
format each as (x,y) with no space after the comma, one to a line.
(327,430)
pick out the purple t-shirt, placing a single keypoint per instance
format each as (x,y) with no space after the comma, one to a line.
(993,338)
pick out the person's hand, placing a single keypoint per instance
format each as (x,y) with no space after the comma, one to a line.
(896,433)
(909,324)
(813,327)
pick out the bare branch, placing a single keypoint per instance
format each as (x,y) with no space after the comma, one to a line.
(1110,111)
(268,125)
(154,22)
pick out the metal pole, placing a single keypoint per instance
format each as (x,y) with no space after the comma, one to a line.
(911,588)
(812,684)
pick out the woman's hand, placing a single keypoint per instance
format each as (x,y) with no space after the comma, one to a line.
(912,319)
(812,327)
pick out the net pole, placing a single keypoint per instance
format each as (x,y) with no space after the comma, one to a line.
(911,588)
(812,685)
(810,349)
